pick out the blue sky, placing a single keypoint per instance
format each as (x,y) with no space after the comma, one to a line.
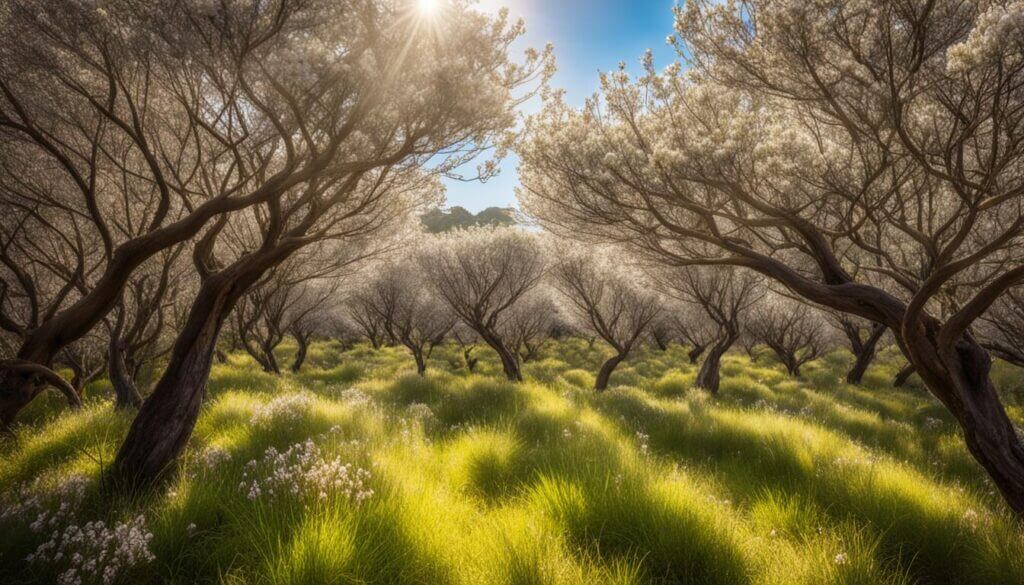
(589,36)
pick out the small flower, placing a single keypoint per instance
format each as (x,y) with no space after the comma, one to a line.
(841,559)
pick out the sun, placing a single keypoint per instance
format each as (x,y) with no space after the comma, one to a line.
(427,6)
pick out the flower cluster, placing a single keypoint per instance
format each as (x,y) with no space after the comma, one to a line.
(301,470)
(95,552)
(46,509)
(283,410)
(994,33)
(214,457)
(421,412)
(644,441)
(355,397)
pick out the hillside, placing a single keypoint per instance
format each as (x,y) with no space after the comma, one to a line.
(438,221)
(357,471)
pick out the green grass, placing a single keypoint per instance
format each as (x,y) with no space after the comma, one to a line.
(476,480)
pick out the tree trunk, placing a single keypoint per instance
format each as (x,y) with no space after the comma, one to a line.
(300,354)
(421,364)
(509,363)
(270,360)
(164,424)
(695,353)
(661,344)
(605,374)
(221,356)
(903,375)
(960,379)
(864,353)
(709,376)
(860,366)
(127,395)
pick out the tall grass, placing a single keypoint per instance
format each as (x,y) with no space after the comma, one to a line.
(476,480)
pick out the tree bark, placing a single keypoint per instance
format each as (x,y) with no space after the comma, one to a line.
(605,373)
(126,394)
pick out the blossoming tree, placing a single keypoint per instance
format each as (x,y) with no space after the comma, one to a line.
(608,299)
(361,106)
(721,296)
(481,274)
(861,154)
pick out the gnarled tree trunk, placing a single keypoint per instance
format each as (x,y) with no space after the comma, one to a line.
(164,424)
(709,377)
(960,379)
(605,373)
(300,354)
(863,351)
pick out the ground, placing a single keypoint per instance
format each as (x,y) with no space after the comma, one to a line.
(359,471)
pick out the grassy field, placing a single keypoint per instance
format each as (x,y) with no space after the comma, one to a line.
(357,471)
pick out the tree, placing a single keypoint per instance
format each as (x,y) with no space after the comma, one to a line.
(411,315)
(861,155)
(662,333)
(360,309)
(481,274)
(310,318)
(128,128)
(722,295)
(750,344)
(380,105)
(282,303)
(863,338)
(794,332)
(607,299)
(693,329)
(529,324)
